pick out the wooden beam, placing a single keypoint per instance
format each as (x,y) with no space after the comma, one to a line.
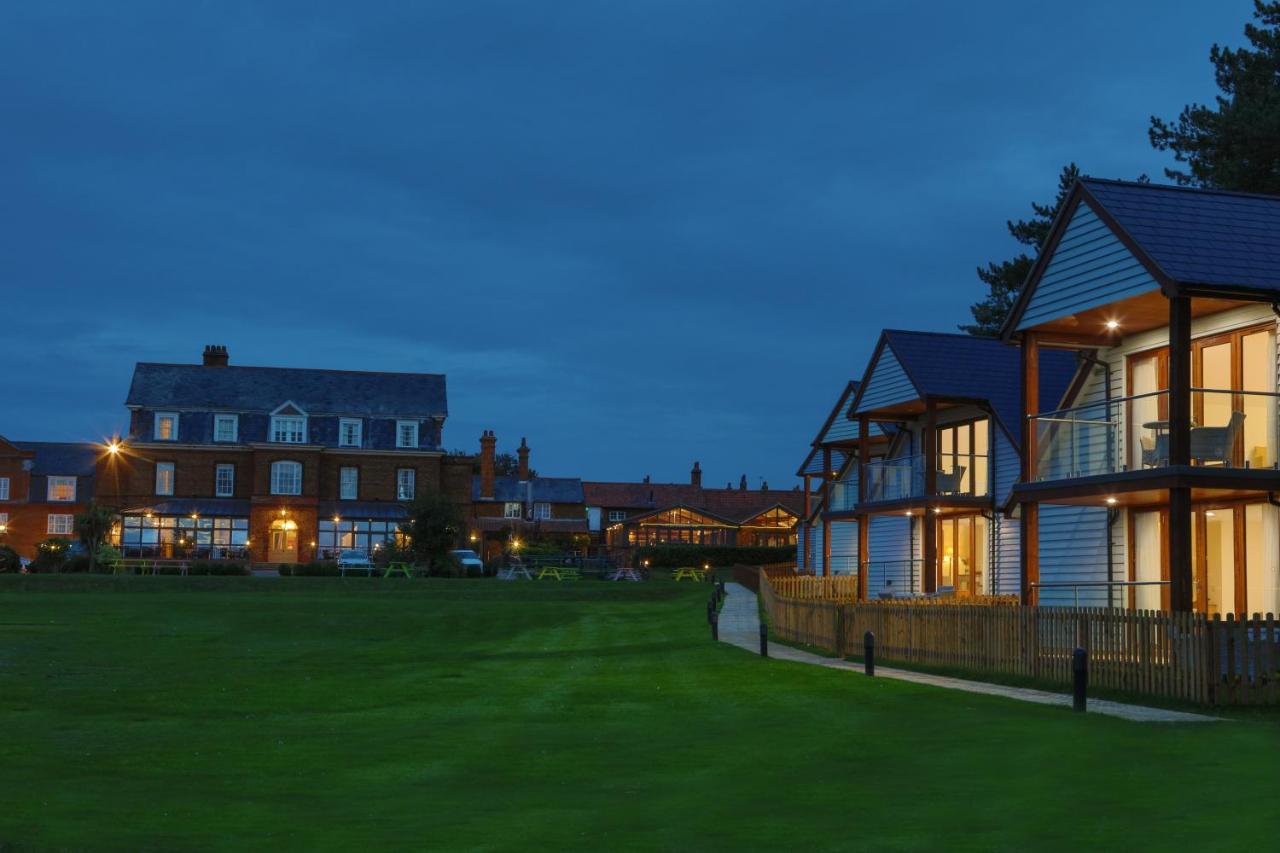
(1030,403)
(929,528)
(864,455)
(1178,531)
(1030,562)
(864,523)
(804,525)
(1181,583)
(826,508)
(1070,340)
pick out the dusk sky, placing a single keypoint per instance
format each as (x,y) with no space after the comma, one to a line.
(637,233)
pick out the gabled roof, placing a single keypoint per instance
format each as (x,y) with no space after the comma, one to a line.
(1210,241)
(264,389)
(553,490)
(737,505)
(938,364)
(61,458)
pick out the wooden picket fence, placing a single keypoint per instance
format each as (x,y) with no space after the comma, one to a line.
(1183,656)
(833,588)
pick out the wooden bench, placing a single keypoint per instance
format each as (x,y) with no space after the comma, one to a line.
(143,566)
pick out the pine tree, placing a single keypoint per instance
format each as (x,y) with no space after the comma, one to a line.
(1234,145)
(1004,280)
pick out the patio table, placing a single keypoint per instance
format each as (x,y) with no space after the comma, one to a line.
(394,567)
(688,573)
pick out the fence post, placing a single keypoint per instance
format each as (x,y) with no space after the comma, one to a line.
(764,640)
(869,652)
(1079,678)
(715,626)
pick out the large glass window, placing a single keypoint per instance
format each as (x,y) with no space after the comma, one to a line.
(354,534)
(962,553)
(288,429)
(286,478)
(962,458)
(215,538)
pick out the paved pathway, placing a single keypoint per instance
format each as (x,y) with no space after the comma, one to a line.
(740,626)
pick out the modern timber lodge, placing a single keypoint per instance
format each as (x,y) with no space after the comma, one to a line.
(1128,459)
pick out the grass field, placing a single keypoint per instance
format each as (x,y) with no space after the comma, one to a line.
(306,713)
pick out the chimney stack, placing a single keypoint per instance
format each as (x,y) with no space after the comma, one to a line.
(488,446)
(695,476)
(646,478)
(742,484)
(215,355)
(765,486)
(523,453)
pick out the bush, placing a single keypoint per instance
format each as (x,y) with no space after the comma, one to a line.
(220,568)
(51,555)
(75,564)
(717,556)
(9,560)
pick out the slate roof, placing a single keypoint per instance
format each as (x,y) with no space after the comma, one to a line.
(263,389)
(230,507)
(1198,236)
(738,505)
(956,365)
(70,459)
(554,490)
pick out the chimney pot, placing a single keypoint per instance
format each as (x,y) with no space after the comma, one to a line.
(215,355)
(488,447)
(695,476)
(742,484)
(523,453)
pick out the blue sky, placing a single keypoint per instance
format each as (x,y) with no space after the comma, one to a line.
(637,233)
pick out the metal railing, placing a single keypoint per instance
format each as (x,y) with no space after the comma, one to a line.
(1229,429)
(894,479)
(1075,586)
(892,578)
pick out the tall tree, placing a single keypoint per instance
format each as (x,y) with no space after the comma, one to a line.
(1234,145)
(1004,280)
(434,528)
(94,526)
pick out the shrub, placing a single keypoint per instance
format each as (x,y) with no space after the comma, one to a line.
(219,567)
(51,555)
(314,569)
(75,564)
(672,556)
(9,560)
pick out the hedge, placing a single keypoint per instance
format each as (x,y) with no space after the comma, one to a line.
(672,556)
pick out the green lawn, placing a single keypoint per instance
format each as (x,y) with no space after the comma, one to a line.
(244,713)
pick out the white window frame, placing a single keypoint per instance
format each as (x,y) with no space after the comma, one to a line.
(406,484)
(343,423)
(155,431)
(4,519)
(220,469)
(513,509)
(278,429)
(345,493)
(542,510)
(616,515)
(65,526)
(52,484)
(169,469)
(278,481)
(4,488)
(234,420)
(400,425)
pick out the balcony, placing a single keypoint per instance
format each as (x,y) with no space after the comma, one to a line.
(1229,430)
(902,478)
(844,495)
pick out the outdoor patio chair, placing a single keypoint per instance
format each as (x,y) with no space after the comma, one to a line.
(1215,444)
(952,482)
(1155,451)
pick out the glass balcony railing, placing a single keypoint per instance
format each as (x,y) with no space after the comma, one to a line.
(892,578)
(844,495)
(1229,429)
(903,477)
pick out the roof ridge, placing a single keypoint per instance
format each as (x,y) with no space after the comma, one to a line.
(954,335)
(1147,185)
(268,367)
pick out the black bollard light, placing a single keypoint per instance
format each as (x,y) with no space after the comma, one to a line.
(711,611)
(1079,678)
(764,640)
(715,626)
(869,652)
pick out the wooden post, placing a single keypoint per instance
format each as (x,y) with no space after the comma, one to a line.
(804,527)
(1179,527)
(1030,553)
(1030,403)
(864,521)
(929,527)
(826,508)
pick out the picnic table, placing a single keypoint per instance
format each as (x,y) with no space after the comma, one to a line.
(688,573)
(560,573)
(396,567)
(625,573)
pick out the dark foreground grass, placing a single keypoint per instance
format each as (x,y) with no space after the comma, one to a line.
(243,713)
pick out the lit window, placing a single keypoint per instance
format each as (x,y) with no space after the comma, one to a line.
(286,478)
(61,525)
(166,426)
(62,489)
(404,484)
(226,427)
(511,509)
(288,429)
(541,510)
(225,480)
(4,488)
(406,433)
(348,483)
(349,432)
(164,478)
(617,514)
(4,519)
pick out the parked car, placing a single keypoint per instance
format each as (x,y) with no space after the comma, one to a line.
(356,561)
(470,561)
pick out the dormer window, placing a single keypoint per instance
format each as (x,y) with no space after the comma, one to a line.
(407,434)
(350,432)
(166,427)
(226,428)
(289,425)
(62,489)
